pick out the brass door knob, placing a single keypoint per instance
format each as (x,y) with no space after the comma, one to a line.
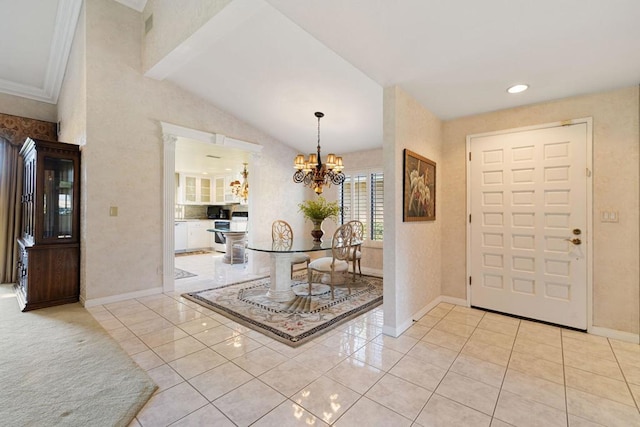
(575,241)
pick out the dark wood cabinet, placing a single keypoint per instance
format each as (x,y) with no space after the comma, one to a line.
(49,245)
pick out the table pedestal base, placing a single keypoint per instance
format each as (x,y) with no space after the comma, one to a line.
(280,286)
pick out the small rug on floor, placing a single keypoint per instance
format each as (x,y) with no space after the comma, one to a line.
(182,274)
(299,320)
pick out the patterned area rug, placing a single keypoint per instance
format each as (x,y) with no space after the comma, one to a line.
(182,274)
(299,320)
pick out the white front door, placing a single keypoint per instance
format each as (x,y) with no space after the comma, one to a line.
(528,223)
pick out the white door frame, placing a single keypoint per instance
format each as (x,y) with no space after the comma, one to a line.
(170,134)
(589,172)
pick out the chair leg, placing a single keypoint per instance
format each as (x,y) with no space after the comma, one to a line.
(359,269)
(309,275)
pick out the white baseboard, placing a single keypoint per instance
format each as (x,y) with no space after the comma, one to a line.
(121,297)
(617,335)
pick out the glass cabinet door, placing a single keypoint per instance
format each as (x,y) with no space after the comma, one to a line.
(58,198)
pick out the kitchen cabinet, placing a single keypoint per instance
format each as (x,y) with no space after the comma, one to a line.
(197,235)
(49,244)
(181,236)
(195,189)
(223,193)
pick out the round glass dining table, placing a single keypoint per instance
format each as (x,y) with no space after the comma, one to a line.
(280,272)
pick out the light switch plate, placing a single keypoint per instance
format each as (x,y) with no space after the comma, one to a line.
(113,211)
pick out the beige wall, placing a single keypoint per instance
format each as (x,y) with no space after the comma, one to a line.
(123,157)
(616,141)
(412,256)
(173,22)
(23,107)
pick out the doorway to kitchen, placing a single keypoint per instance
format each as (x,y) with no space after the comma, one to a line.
(199,168)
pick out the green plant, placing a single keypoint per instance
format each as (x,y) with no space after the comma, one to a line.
(319,209)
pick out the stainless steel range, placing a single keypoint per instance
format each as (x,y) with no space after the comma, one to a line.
(219,240)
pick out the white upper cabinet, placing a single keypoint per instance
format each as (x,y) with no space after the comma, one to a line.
(195,189)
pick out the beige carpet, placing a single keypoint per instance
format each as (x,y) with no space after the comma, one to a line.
(299,320)
(58,367)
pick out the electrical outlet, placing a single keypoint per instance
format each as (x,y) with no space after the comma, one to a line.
(113,211)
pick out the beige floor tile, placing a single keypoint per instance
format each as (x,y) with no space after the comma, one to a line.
(487,352)
(320,358)
(163,336)
(498,423)
(236,346)
(147,360)
(367,332)
(628,358)
(183,316)
(199,325)
(206,416)
(433,354)
(537,367)
(259,361)
(289,351)
(400,344)
(378,356)
(445,339)
(606,367)
(401,396)
(133,346)
(575,421)
(441,411)
(518,411)
(535,389)
(220,380)
(493,338)
(468,310)
(111,324)
(121,334)
(164,377)
(258,336)
(538,349)
(439,312)
(455,328)
(249,402)
(502,327)
(631,374)
(197,363)
(418,372)
(502,318)
(600,350)
(428,321)
(132,318)
(345,342)
(150,326)
(540,334)
(289,414)
(481,370)
(416,331)
(632,347)
(290,377)
(635,391)
(171,405)
(598,385)
(326,399)
(215,335)
(177,349)
(469,392)
(355,374)
(469,319)
(603,411)
(371,414)
(583,336)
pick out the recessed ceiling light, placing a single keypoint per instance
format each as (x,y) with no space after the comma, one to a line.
(517,88)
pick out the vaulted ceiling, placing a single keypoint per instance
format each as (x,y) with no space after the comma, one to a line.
(286,59)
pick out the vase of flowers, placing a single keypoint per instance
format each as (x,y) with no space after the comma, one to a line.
(317,210)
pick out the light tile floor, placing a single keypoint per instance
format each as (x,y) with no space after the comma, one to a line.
(454,367)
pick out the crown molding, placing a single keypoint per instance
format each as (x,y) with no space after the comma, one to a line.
(64,29)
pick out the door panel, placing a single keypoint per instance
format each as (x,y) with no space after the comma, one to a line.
(528,193)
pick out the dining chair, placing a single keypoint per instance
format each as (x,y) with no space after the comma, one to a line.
(338,262)
(282,236)
(355,254)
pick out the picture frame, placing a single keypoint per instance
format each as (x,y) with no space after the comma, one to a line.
(419,188)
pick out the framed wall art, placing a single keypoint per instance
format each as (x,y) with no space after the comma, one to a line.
(419,184)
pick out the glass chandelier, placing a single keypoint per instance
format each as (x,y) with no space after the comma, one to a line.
(315,174)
